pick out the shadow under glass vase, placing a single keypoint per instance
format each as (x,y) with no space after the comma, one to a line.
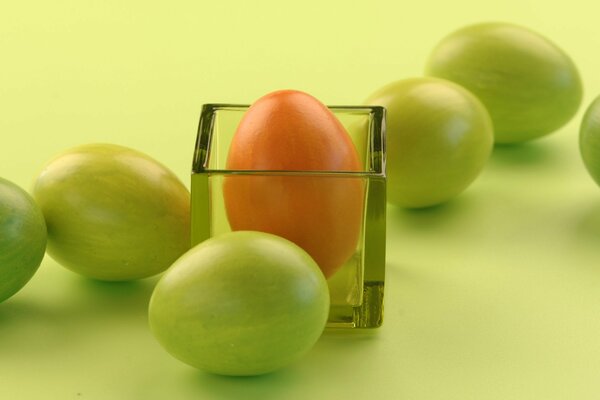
(338,217)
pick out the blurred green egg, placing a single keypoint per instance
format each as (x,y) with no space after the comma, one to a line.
(589,139)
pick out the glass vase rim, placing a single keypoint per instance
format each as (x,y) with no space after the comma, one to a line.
(376,148)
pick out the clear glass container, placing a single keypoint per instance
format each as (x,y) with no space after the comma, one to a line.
(356,289)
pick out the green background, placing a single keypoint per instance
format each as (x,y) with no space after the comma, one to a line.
(495,295)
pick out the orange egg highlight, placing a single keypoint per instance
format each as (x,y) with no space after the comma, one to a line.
(292,131)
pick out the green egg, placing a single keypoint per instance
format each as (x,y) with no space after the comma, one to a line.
(243,303)
(589,139)
(439,137)
(528,84)
(22,238)
(113,213)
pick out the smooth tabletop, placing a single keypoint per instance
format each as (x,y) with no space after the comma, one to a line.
(494,295)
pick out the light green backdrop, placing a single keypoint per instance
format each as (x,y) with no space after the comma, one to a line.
(494,296)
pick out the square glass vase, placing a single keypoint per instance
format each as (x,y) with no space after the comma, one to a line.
(356,288)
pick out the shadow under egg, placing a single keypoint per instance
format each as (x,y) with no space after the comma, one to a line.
(430,218)
(524,154)
(268,386)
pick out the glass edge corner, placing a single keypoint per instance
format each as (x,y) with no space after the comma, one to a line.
(205,131)
(378,139)
(203,134)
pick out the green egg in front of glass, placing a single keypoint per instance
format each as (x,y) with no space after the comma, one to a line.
(357,287)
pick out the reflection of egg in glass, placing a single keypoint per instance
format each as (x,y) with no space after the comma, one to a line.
(292,131)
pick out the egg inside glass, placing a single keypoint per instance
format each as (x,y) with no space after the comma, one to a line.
(337,216)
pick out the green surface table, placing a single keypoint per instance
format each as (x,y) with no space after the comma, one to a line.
(495,295)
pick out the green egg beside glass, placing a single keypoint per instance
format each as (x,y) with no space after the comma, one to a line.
(113,213)
(439,137)
(243,303)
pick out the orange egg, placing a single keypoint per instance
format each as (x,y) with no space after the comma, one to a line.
(292,131)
